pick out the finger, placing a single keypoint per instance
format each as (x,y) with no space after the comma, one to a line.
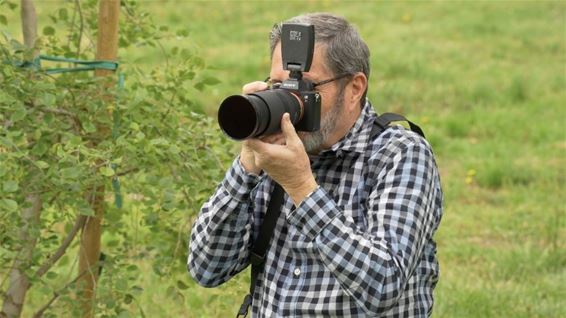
(291,136)
(261,154)
(254,87)
(278,138)
(256,145)
(265,149)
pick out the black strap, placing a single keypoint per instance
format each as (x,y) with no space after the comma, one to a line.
(259,250)
(383,121)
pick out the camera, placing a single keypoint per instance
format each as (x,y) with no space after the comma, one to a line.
(259,114)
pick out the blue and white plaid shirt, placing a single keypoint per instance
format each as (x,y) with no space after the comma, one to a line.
(359,246)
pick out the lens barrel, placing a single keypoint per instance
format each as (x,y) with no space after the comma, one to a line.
(258,114)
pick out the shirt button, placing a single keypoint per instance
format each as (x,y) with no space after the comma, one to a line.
(297,271)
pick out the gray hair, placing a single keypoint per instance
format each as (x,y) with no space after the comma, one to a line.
(346,52)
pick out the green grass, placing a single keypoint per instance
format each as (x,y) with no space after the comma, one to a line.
(485,80)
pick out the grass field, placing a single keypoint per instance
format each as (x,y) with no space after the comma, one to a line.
(485,80)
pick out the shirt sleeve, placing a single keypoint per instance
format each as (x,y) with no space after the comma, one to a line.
(374,264)
(220,237)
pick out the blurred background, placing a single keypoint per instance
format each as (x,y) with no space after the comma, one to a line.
(485,81)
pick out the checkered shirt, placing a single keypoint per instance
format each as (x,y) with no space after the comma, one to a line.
(360,245)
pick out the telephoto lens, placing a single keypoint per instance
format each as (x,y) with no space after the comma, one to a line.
(258,114)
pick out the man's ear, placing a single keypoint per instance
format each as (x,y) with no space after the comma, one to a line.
(357,87)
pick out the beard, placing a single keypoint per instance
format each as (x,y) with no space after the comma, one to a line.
(313,141)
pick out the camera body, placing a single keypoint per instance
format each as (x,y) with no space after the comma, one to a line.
(259,114)
(310,100)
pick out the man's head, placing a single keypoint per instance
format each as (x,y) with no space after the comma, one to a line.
(339,50)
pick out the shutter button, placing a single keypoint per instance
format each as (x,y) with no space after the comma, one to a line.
(297,271)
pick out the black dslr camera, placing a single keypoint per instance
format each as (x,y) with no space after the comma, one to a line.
(260,113)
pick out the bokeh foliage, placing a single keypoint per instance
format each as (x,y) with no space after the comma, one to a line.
(61,134)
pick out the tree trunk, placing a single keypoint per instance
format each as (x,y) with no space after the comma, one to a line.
(19,283)
(29,24)
(107,49)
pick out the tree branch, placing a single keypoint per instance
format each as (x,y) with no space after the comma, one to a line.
(56,294)
(125,172)
(58,111)
(79,223)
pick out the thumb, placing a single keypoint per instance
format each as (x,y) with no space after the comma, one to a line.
(288,130)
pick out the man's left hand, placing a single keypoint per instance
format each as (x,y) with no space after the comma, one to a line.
(286,161)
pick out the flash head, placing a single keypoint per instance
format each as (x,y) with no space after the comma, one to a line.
(297,46)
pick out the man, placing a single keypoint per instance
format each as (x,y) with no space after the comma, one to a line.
(354,238)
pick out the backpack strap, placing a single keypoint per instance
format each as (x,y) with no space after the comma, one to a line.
(259,248)
(382,122)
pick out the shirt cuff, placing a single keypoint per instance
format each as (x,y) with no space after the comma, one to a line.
(313,214)
(238,182)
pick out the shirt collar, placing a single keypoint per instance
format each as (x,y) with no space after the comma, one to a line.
(357,138)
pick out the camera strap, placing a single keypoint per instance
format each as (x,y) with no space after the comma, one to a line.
(259,249)
(382,122)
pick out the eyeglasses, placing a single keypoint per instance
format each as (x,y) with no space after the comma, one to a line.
(339,77)
(276,84)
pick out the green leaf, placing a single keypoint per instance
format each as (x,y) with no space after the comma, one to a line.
(86,210)
(40,148)
(182,33)
(51,275)
(199,86)
(48,30)
(128,299)
(140,136)
(63,14)
(48,118)
(18,114)
(110,303)
(121,284)
(70,173)
(10,186)
(3,19)
(9,205)
(159,141)
(89,127)
(181,285)
(42,164)
(106,171)
(47,99)
(137,290)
